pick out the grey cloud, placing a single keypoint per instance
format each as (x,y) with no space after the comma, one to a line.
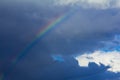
(84,31)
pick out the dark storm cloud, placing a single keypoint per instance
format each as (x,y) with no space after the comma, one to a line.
(67,70)
(19,22)
(18,25)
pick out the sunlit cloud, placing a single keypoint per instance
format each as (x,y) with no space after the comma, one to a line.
(111,59)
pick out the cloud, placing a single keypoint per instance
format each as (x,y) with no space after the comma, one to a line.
(83,31)
(33,68)
(80,32)
(111,59)
(98,4)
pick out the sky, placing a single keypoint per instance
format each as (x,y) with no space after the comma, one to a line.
(59,39)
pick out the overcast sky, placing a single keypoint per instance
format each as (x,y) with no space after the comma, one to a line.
(83,46)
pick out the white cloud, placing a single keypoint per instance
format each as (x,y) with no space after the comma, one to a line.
(99,4)
(111,59)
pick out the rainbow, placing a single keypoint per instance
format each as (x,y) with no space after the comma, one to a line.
(42,32)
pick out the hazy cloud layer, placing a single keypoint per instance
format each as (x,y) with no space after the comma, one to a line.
(98,4)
